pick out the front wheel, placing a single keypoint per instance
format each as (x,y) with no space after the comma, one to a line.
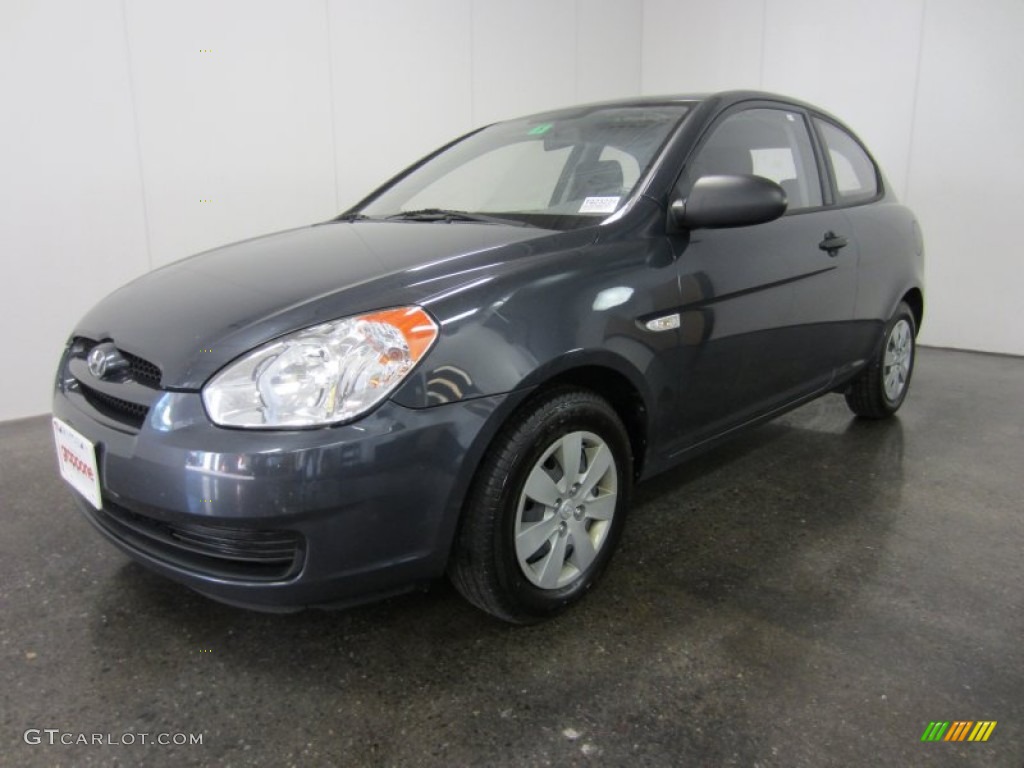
(879,390)
(546,508)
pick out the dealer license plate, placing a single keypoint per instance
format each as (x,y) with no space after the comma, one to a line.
(76,457)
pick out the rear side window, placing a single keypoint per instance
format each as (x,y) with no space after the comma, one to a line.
(855,174)
(772,143)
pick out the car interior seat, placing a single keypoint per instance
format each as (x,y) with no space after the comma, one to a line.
(793,194)
(722,160)
(597,178)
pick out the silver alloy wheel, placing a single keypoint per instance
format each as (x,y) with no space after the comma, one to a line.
(899,350)
(565,509)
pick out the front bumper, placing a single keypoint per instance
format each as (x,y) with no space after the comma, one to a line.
(285,519)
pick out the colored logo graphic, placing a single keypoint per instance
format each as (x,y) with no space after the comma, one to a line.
(959,730)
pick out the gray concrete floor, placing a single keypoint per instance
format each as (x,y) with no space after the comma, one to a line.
(812,594)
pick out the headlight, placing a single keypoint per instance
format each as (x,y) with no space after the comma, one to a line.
(323,375)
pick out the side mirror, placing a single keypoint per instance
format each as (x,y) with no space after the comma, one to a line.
(717,202)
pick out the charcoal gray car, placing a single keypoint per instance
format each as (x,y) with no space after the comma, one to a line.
(467,372)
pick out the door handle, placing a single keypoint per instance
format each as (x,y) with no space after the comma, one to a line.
(832,243)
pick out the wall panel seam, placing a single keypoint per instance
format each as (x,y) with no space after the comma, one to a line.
(333,106)
(916,102)
(137,131)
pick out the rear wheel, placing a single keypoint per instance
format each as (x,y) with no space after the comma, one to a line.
(546,509)
(880,388)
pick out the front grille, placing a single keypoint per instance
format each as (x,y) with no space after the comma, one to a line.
(142,371)
(114,407)
(225,552)
(139,382)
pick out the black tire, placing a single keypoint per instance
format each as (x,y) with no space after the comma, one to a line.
(868,395)
(485,566)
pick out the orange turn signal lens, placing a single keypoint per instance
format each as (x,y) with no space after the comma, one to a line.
(418,328)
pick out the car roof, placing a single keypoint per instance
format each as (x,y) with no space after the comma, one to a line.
(722,98)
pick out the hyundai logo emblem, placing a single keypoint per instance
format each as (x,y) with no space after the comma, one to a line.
(104,359)
(97,363)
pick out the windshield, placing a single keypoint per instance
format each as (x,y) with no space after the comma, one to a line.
(561,170)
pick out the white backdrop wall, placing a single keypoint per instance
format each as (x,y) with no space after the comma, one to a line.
(137,132)
(72,216)
(934,89)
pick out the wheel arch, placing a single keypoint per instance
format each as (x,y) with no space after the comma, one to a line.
(624,398)
(914,299)
(596,374)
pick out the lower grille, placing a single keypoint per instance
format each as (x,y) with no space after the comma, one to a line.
(114,407)
(247,554)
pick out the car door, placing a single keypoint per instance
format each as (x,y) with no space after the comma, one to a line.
(886,237)
(764,307)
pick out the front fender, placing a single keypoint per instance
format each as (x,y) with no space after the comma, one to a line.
(552,314)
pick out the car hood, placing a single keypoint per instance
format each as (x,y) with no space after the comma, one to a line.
(192,317)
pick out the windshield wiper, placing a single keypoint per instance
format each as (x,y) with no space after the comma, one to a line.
(443,214)
(352,217)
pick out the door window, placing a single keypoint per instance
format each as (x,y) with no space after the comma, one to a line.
(773,143)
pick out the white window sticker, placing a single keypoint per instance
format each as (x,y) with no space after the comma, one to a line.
(599,205)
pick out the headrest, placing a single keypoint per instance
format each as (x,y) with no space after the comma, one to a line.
(598,178)
(714,161)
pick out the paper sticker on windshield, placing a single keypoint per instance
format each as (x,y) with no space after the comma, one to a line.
(599,205)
